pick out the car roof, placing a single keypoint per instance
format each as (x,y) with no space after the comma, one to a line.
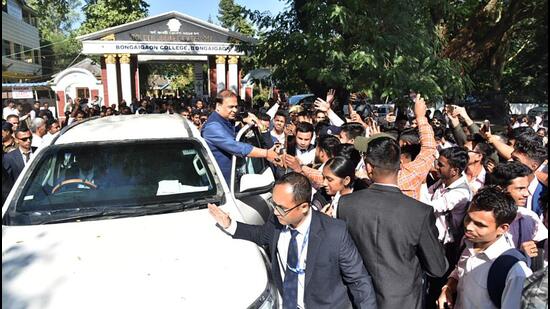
(128,127)
(295,98)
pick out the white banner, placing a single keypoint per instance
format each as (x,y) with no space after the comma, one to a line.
(158,48)
(22,93)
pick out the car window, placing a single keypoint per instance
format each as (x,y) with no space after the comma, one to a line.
(123,174)
(248,165)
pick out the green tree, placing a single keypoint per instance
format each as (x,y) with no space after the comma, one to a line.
(503,44)
(384,48)
(102,14)
(232,16)
(57,34)
(378,47)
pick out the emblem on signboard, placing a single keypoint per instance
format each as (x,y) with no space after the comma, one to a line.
(174,25)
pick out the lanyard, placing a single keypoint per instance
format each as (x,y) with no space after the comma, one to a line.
(297,269)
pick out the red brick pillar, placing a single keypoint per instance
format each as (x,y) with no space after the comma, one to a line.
(60,104)
(212,76)
(104,81)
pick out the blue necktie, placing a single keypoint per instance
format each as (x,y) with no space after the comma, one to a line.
(290,285)
(535,205)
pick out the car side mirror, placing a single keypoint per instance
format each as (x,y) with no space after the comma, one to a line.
(253,182)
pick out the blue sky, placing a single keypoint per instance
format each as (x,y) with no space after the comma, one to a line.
(203,8)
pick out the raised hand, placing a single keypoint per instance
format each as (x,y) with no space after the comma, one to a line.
(221,217)
(419,106)
(322,105)
(331,95)
(293,163)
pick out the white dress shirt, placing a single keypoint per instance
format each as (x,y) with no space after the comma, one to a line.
(472,271)
(527,226)
(281,138)
(9,111)
(282,251)
(453,198)
(478,182)
(307,156)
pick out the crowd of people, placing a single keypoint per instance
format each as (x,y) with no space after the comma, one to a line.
(419,209)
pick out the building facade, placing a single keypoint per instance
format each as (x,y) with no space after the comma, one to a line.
(21,56)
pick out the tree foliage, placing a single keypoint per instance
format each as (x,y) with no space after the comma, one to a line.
(102,14)
(232,17)
(386,48)
(56,27)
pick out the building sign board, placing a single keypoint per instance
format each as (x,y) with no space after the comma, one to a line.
(159,48)
(172,30)
(22,93)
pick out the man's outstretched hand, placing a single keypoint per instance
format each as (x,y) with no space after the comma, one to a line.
(221,217)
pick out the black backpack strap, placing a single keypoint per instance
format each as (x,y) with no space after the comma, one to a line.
(496,279)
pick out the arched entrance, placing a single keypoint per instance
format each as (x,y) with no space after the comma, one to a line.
(169,36)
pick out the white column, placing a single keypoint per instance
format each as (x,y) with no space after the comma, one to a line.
(199,79)
(220,73)
(233,79)
(126,78)
(112,84)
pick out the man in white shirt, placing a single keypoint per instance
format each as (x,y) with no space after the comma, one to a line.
(488,219)
(10,110)
(295,234)
(475,171)
(527,228)
(530,151)
(38,129)
(279,122)
(450,195)
(304,149)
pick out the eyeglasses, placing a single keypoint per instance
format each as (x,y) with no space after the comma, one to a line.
(24,139)
(281,210)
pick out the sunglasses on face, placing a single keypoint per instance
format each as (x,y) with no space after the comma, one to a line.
(24,139)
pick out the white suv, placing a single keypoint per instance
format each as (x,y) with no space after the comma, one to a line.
(113,214)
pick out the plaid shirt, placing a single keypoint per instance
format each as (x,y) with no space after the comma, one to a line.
(413,174)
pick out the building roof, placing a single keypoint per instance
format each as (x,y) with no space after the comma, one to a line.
(86,64)
(165,16)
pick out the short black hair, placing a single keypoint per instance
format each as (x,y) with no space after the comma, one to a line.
(505,172)
(304,127)
(411,151)
(384,153)
(494,199)
(515,133)
(328,144)
(301,187)
(532,146)
(264,117)
(281,113)
(410,135)
(353,129)
(457,157)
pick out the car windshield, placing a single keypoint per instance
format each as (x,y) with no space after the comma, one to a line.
(115,176)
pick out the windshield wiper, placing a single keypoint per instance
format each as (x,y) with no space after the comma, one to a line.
(190,204)
(81,214)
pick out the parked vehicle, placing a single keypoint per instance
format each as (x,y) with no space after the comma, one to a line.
(113,214)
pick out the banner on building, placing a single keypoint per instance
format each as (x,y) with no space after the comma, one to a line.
(22,93)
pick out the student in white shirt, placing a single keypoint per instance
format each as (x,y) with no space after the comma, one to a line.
(450,195)
(304,149)
(488,220)
(527,229)
(279,122)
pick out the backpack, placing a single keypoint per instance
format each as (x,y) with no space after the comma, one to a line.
(496,279)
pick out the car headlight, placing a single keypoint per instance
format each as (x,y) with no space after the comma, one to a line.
(269,299)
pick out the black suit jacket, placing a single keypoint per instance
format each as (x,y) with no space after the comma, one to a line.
(13,163)
(333,262)
(397,239)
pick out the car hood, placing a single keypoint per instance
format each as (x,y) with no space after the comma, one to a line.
(178,260)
